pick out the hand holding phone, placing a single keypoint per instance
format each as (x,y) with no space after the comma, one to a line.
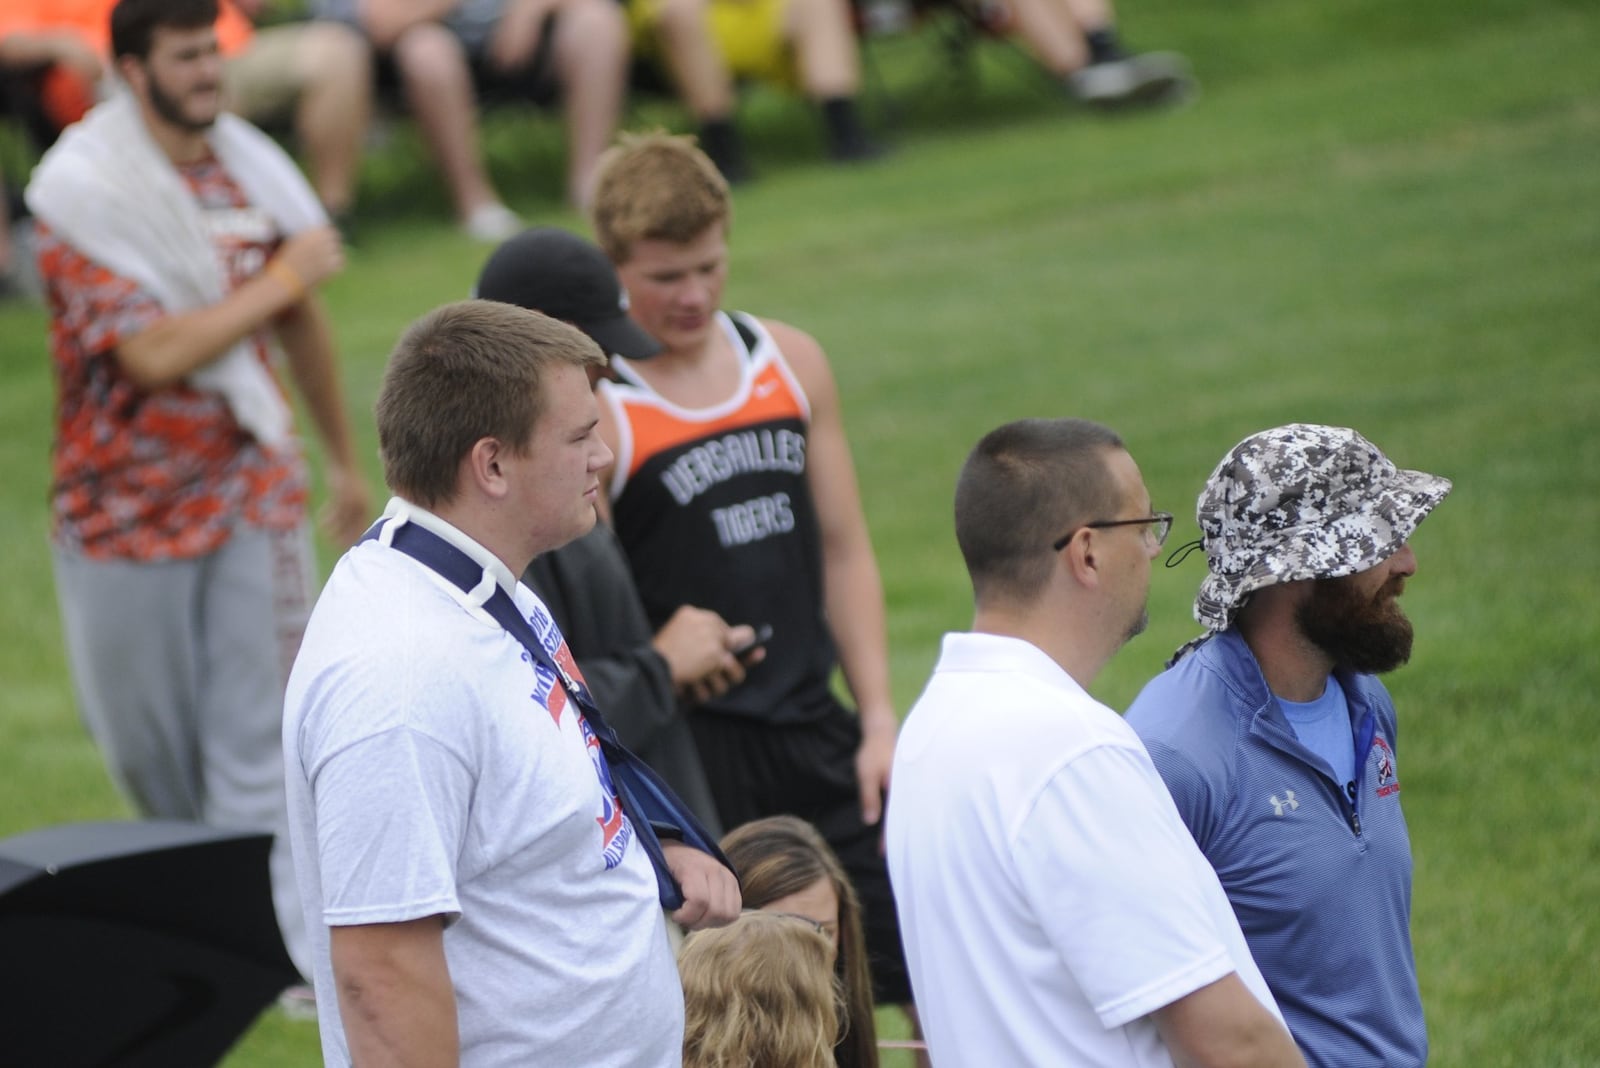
(763,635)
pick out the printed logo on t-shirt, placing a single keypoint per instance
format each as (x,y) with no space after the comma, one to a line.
(615,831)
(550,690)
(243,238)
(1388,776)
(741,452)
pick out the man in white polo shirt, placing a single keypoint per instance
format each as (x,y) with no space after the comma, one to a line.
(1054,907)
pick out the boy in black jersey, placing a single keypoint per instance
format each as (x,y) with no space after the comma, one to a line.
(733,488)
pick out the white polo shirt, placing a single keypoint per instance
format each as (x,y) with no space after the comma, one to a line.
(1050,897)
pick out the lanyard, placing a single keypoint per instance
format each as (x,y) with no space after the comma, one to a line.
(630,777)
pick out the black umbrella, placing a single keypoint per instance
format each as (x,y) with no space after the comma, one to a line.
(134,943)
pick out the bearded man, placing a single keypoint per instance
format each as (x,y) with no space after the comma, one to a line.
(180,251)
(1278,741)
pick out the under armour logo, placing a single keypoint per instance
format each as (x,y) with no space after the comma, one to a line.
(1288,802)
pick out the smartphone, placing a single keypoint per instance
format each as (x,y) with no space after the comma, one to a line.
(763,636)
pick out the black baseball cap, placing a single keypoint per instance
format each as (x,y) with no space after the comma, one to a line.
(549,270)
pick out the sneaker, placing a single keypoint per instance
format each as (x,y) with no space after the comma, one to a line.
(1151,78)
(298,1002)
(491,223)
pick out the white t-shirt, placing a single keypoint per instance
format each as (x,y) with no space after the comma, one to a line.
(1050,897)
(432,770)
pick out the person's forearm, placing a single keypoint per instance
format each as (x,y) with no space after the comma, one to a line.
(307,338)
(1222,1025)
(396,1000)
(29,49)
(853,592)
(177,345)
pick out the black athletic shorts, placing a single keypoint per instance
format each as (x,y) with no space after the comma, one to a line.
(536,82)
(759,769)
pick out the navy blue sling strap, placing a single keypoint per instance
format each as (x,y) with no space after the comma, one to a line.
(651,806)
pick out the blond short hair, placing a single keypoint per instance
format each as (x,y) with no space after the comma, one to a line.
(759,991)
(656,187)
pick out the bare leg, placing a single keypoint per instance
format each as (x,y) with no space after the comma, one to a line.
(591,58)
(824,46)
(1090,15)
(693,59)
(1051,33)
(438,84)
(334,108)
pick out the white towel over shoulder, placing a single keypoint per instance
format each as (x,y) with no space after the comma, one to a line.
(111,193)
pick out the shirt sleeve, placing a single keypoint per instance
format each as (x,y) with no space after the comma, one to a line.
(391,825)
(1191,792)
(97,307)
(1112,873)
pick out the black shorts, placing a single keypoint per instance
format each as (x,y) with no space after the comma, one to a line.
(759,769)
(535,82)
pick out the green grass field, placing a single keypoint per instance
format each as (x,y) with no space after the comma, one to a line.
(1384,216)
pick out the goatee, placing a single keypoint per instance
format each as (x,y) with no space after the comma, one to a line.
(1365,634)
(170,107)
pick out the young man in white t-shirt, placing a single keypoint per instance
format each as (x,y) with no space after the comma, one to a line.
(1054,907)
(476,894)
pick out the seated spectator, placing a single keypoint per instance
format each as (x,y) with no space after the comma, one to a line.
(1076,41)
(706,46)
(444,51)
(53,52)
(37,62)
(785,866)
(315,75)
(759,991)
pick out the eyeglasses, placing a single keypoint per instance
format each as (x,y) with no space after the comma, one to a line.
(1157,526)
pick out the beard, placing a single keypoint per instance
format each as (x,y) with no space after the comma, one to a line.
(1365,634)
(170,107)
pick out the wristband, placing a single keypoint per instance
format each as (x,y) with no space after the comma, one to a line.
(287,277)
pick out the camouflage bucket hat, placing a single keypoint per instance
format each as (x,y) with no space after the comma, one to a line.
(1299,502)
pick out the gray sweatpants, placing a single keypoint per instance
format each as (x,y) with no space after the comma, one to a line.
(179,668)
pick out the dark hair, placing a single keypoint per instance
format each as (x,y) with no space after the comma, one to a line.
(1024,485)
(783,855)
(463,372)
(134,22)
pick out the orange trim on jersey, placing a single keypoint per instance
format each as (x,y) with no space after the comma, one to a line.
(655,429)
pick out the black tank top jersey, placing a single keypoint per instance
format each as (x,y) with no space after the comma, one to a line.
(713,509)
